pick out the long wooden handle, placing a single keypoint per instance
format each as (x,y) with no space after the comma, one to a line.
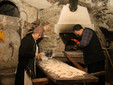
(40,81)
(109,57)
(74,62)
(98,73)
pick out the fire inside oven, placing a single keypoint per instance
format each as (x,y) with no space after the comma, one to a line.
(68,40)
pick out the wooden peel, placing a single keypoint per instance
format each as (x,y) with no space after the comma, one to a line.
(109,57)
(74,62)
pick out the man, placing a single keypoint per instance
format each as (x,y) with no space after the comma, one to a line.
(28,51)
(93,55)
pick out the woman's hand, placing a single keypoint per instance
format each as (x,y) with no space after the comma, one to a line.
(38,55)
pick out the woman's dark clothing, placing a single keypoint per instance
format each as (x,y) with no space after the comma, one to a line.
(26,59)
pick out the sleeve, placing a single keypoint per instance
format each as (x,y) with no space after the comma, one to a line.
(26,49)
(86,37)
(37,42)
(38,48)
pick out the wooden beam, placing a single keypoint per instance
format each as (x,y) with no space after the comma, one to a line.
(40,81)
(98,73)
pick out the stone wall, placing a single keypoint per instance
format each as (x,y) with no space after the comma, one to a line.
(9,48)
(49,17)
(13,30)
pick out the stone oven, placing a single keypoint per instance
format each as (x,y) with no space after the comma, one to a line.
(65,35)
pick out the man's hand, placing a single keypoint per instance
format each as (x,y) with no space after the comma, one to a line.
(76,41)
(75,48)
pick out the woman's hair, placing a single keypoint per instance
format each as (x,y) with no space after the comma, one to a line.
(30,31)
(77,27)
(38,29)
(32,28)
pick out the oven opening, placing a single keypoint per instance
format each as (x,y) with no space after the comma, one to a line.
(69,41)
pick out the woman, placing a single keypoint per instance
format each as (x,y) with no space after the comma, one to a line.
(28,51)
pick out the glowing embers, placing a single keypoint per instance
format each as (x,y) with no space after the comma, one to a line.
(69,41)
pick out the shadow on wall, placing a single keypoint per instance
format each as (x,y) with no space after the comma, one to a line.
(108,34)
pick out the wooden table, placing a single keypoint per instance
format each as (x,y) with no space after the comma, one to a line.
(85,78)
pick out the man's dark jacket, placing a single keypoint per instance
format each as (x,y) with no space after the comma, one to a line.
(93,52)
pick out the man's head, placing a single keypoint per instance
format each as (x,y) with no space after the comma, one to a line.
(78,29)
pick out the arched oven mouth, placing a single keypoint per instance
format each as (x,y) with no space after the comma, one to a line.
(68,42)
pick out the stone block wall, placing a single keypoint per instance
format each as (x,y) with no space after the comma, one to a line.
(50,16)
